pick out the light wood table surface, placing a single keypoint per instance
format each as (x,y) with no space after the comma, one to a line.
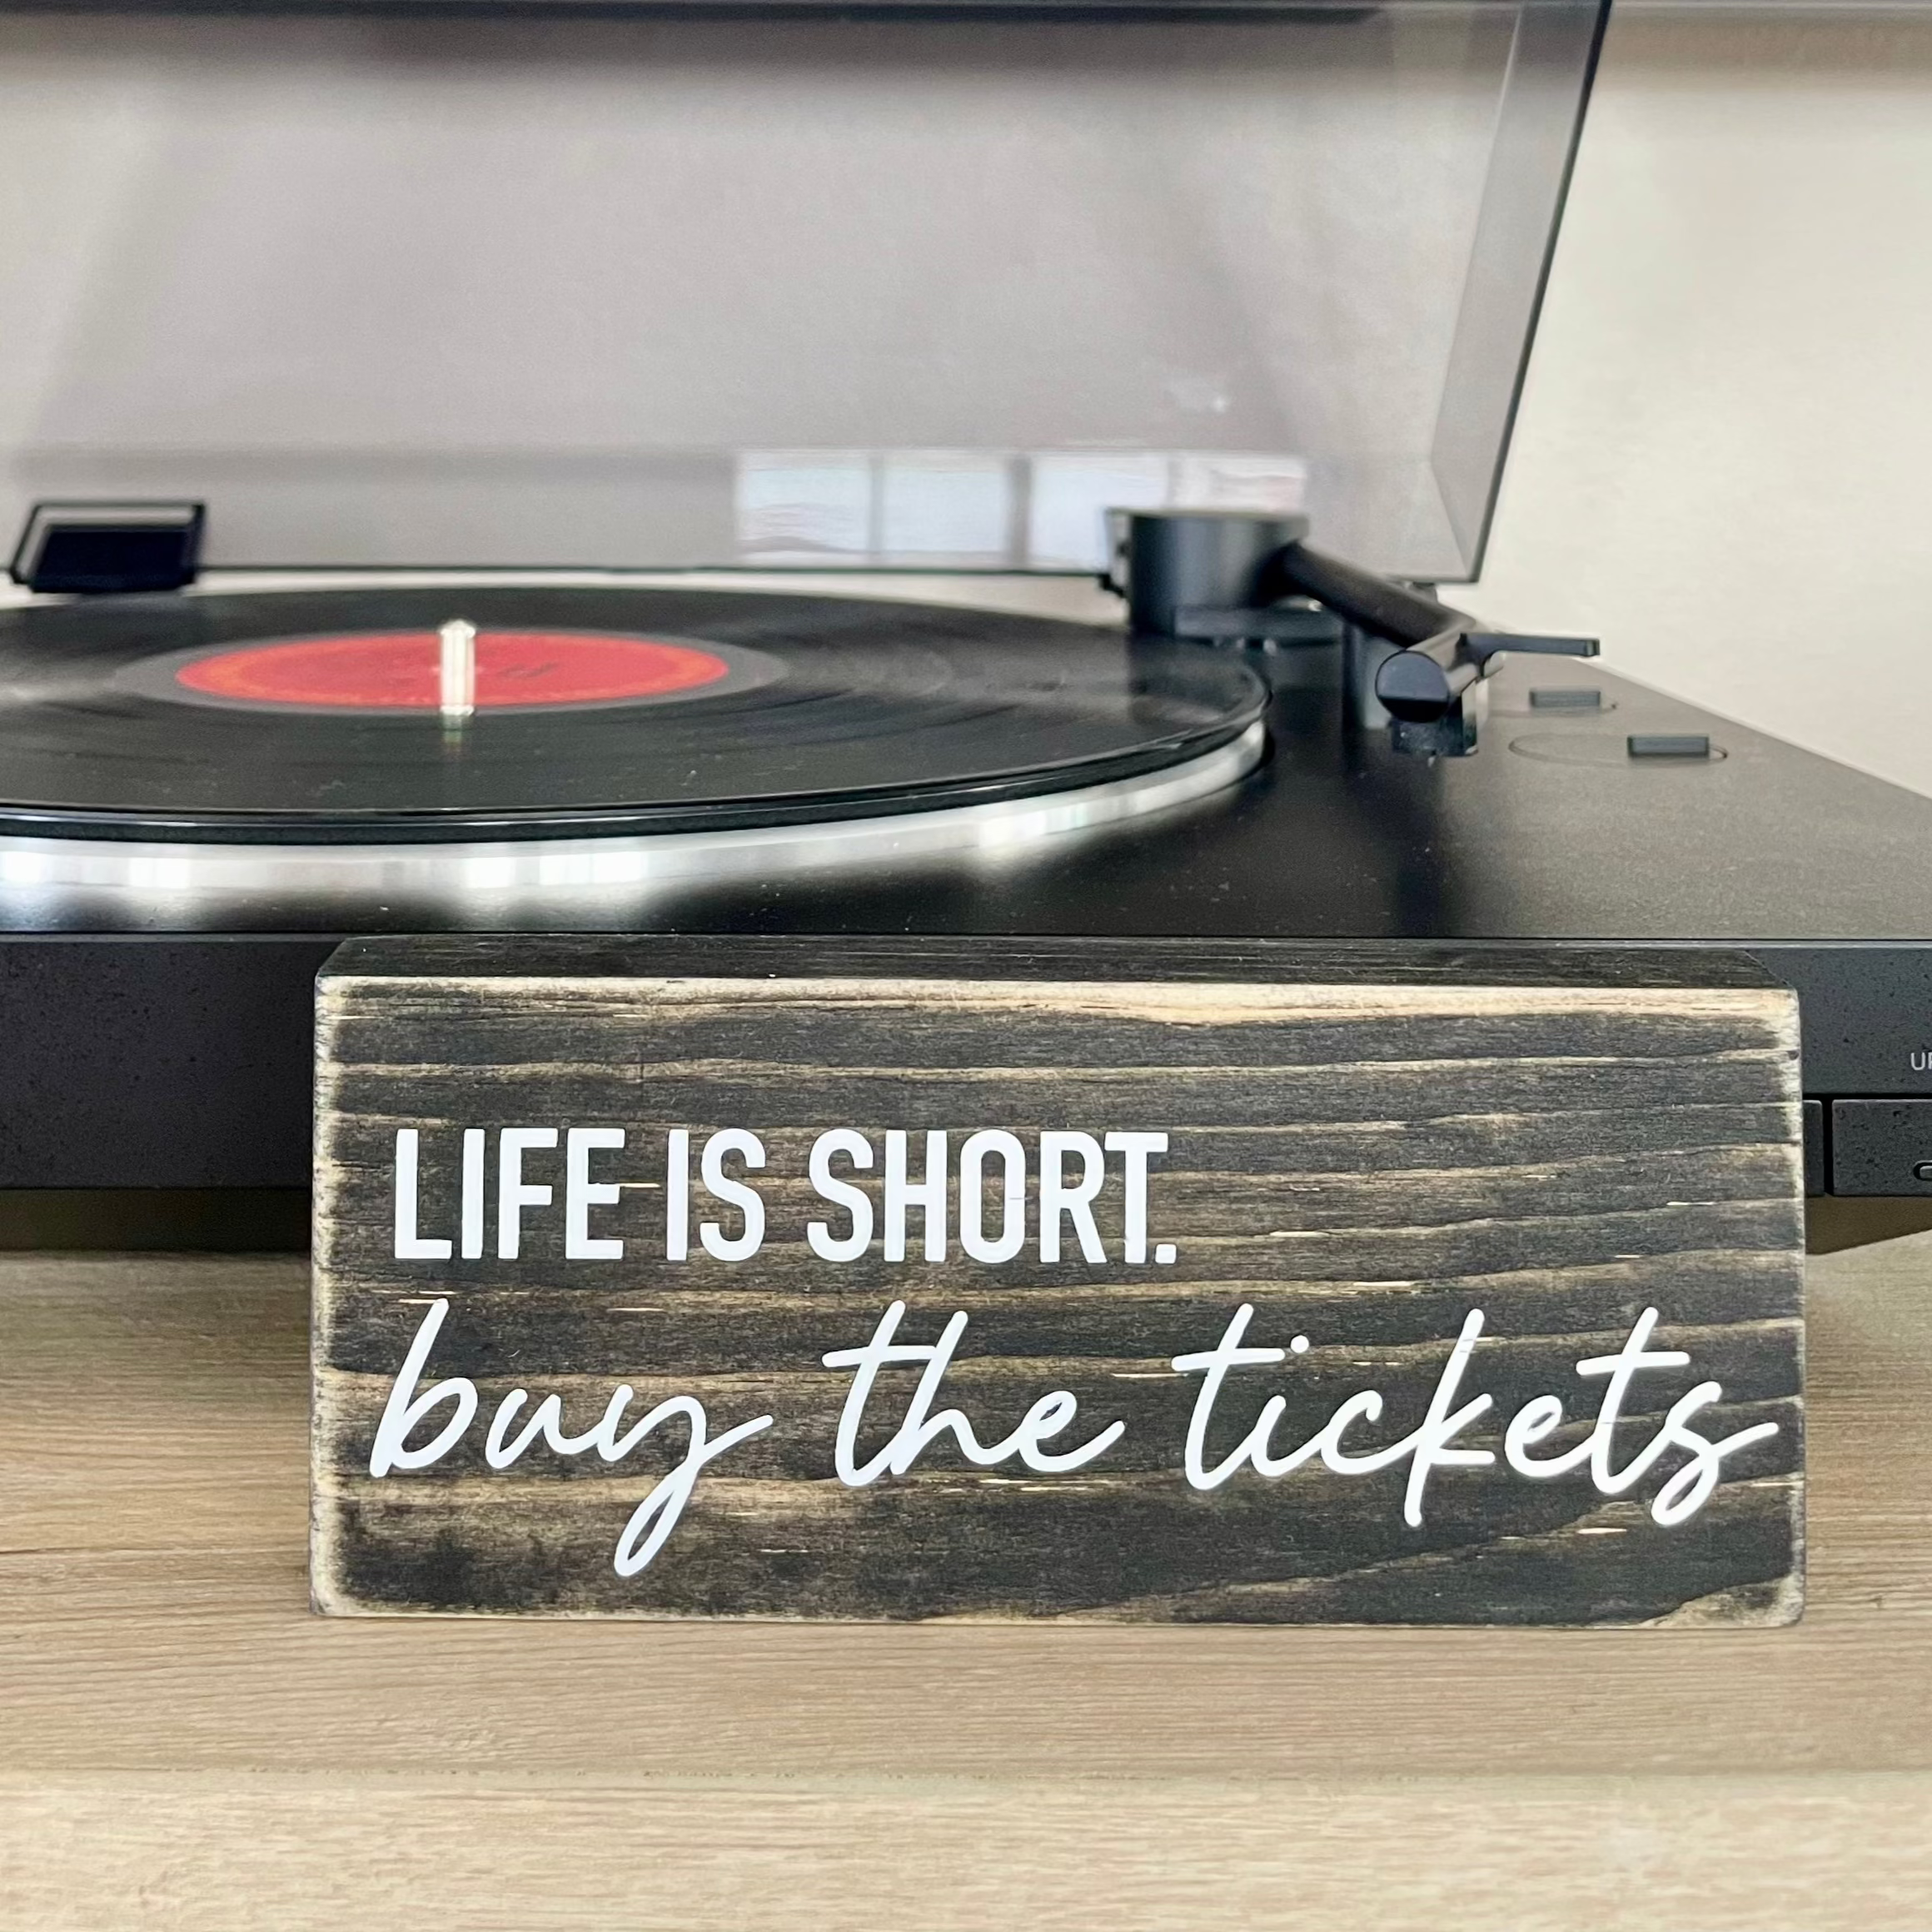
(183,1745)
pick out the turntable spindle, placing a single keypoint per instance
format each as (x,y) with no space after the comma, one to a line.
(456,680)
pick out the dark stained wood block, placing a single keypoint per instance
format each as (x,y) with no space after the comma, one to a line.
(1366,1148)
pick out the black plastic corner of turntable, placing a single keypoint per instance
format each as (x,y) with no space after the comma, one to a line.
(93,549)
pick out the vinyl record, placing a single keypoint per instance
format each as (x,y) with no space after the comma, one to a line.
(308,716)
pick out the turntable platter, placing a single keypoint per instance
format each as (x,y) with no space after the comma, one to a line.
(305,715)
(229,759)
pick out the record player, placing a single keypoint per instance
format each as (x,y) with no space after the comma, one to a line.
(755,470)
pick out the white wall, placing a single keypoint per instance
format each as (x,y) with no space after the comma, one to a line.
(1723,461)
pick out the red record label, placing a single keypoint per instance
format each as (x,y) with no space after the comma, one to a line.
(399,670)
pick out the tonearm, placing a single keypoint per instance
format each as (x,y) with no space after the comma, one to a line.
(1233,577)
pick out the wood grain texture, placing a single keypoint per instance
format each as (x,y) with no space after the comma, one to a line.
(1361,1157)
(1732,1854)
(186,1747)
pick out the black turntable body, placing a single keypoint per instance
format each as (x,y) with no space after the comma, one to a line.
(159,1033)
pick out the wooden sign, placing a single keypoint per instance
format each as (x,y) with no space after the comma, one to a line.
(1163,1282)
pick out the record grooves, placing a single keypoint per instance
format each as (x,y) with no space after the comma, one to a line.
(308,717)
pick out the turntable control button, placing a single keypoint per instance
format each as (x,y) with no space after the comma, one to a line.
(1685,744)
(1568,698)
(1881,1147)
